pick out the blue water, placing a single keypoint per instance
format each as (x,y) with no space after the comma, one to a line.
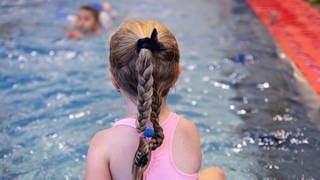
(55,92)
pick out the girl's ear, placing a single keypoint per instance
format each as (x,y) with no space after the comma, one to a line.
(114,83)
(177,76)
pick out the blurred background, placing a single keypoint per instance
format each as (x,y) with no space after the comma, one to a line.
(257,116)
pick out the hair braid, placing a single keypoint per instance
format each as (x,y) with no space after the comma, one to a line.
(144,68)
(158,137)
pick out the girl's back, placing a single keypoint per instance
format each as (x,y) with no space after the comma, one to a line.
(179,157)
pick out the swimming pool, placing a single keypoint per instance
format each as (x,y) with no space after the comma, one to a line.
(55,93)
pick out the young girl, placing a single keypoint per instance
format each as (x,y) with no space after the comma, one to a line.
(152,142)
(91,19)
(86,22)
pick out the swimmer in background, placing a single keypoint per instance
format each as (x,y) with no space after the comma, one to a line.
(91,19)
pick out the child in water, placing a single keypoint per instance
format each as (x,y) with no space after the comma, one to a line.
(88,20)
(152,142)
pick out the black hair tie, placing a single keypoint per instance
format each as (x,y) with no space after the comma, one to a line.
(151,43)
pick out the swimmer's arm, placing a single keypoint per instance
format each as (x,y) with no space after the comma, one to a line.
(72,34)
(116,14)
(97,166)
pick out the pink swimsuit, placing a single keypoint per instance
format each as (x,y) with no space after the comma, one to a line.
(161,165)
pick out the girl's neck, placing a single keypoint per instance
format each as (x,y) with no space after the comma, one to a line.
(132,108)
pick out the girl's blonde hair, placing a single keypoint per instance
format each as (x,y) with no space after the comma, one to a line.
(146,76)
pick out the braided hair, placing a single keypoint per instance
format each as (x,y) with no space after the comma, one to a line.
(145,66)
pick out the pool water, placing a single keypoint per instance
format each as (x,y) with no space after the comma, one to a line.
(235,85)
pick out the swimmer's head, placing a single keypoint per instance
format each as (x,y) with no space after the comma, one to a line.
(144,75)
(106,6)
(87,19)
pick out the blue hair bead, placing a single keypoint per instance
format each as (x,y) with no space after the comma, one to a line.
(148,132)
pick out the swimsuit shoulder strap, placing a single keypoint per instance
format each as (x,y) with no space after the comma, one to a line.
(126,122)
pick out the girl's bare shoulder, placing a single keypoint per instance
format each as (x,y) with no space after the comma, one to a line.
(187,128)
(186,147)
(98,143)
(110,137)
